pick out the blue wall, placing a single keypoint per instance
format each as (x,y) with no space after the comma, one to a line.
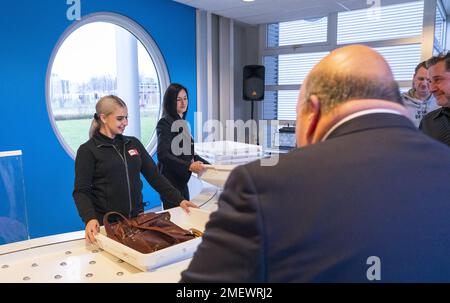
(29,31)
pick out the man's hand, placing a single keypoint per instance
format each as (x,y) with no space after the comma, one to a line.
(92,229)
(185,204)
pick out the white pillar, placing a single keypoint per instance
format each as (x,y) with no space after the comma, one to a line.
(226,69)
(429,15)
(128,79)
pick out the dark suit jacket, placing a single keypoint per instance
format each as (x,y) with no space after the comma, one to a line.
(436,124)
(175,167)
(375,187)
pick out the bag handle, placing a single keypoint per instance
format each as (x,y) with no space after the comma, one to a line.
(107,225)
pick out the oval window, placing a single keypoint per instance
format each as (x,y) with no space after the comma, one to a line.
(100,55)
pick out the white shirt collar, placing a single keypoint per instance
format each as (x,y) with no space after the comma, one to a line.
(359,114)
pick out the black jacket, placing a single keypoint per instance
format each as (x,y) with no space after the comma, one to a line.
(374,187)
(436,124)
(107,177)
(174,167)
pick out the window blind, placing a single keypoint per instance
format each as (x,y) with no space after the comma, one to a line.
(402,59)
(287,104)
(297,32)
(383,23)
(373,24)
(293,68)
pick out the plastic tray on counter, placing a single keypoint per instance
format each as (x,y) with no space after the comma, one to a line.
(197,219)
(217,174)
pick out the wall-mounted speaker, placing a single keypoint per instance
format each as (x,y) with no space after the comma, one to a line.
(253,88)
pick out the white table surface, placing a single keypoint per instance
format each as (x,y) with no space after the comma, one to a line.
(67,258)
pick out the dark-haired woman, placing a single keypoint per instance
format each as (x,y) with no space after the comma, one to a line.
(177,160)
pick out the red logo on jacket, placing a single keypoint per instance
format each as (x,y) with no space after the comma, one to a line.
(133,152)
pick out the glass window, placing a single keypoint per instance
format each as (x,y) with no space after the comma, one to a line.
(297,32)
(288,69)
(291,68)
(280,105)
(270,105)
(439,30)
(271,70)
(383,23)
(98,58)
(285,71)
(287,104)
(13,207)
(402,59)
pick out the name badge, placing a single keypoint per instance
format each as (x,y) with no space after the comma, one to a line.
(133,152)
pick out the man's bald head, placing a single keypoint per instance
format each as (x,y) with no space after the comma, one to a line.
(350,79)
(351,73)
(356,60)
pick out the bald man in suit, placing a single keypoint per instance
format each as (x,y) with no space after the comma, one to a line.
(357,202)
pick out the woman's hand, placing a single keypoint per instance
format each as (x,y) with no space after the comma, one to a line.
(197,167)
(185,204)
(92,229)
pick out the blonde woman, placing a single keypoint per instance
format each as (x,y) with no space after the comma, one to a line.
(108,168)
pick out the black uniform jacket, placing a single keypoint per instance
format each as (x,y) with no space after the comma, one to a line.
(107,177)
(175,167)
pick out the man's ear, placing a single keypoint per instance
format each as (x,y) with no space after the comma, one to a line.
(313,117)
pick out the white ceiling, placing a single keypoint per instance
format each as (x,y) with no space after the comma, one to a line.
(269,11)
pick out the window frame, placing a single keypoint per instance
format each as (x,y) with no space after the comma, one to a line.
(331,44)
(441,9)
(141,34)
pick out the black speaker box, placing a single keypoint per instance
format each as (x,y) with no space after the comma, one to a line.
(253,88)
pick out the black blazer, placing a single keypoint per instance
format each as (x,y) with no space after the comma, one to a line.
(175,167)
(376,187)
(436,124)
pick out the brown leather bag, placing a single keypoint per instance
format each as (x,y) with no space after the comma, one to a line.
(147,232)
